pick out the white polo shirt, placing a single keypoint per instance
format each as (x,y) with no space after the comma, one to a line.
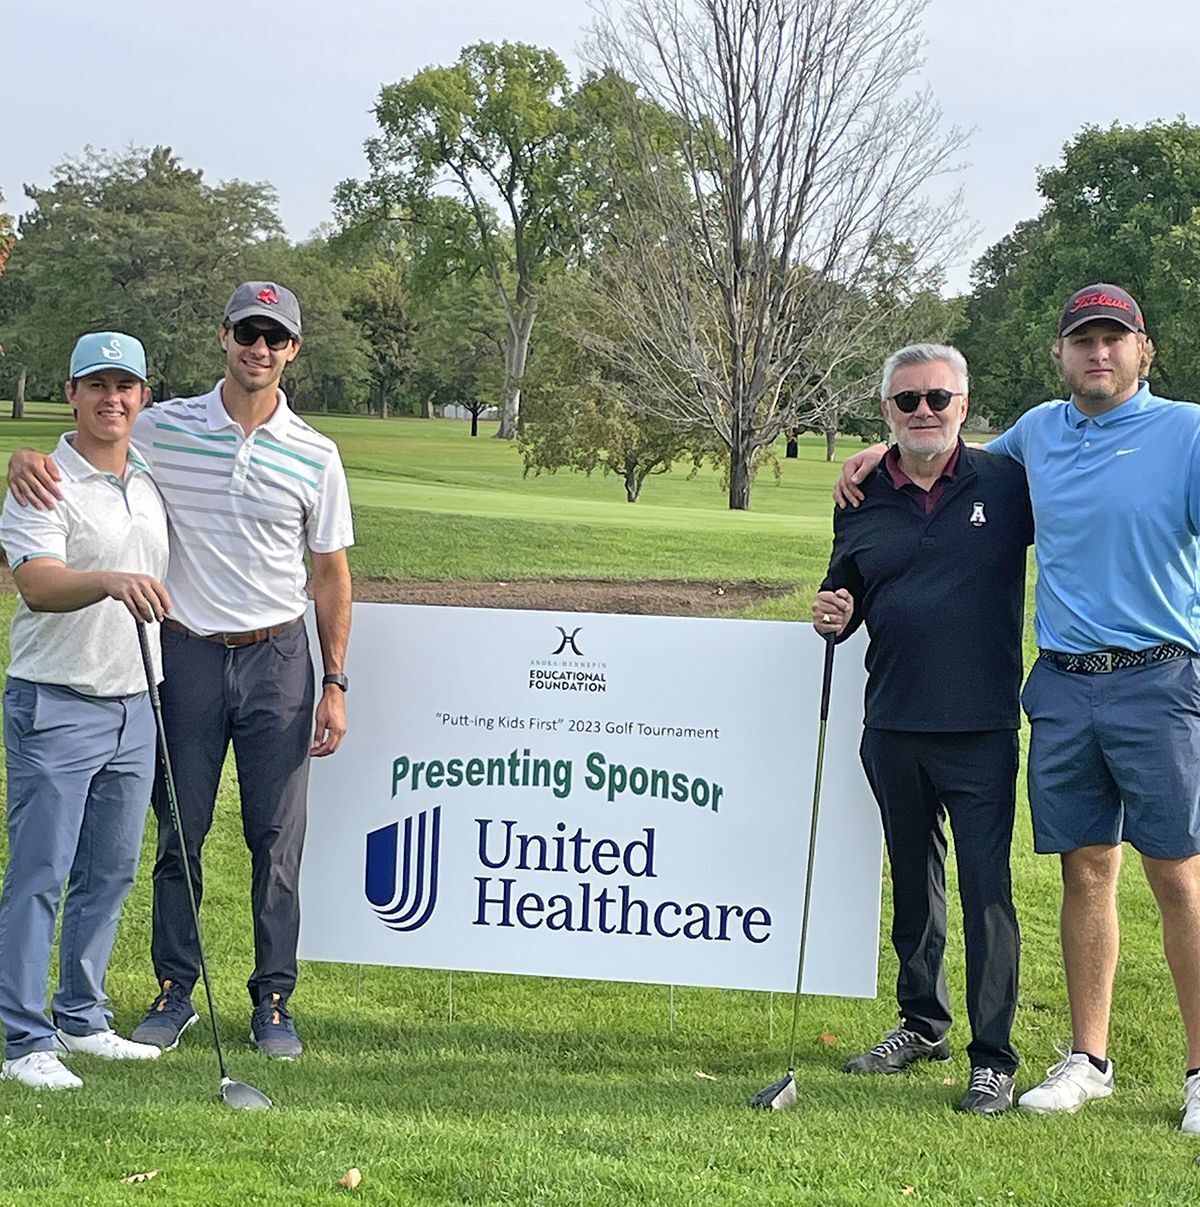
(102,523)
(242,509)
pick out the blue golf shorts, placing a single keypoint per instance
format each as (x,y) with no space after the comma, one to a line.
(1115,758)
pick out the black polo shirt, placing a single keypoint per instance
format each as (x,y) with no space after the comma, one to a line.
(942,595)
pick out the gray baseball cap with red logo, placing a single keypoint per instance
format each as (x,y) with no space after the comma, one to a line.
(1101,301)
(264,299)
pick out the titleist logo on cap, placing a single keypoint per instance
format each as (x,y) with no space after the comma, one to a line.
(1098,299)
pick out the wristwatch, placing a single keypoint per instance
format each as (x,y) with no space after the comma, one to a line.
(337,680)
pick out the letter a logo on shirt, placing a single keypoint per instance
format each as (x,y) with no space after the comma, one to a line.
(977,516)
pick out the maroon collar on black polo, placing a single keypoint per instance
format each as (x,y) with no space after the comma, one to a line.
(901,481)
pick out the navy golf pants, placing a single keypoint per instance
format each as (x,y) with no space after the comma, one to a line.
(918,779)
(260,698)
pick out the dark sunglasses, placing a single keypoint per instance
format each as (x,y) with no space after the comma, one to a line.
(908,400)
(247,334)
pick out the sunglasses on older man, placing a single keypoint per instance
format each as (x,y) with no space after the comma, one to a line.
(908,400)
(248,334)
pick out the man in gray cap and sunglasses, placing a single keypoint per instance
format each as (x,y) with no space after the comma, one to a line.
(249,487)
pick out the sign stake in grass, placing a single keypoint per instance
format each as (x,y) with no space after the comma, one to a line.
(235,1094)
(781,1094)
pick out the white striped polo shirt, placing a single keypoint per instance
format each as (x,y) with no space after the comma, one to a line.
(242,509)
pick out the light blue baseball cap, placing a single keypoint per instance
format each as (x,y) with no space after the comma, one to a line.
(108,350)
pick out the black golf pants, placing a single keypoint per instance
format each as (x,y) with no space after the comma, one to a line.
(919,778)
(260,697)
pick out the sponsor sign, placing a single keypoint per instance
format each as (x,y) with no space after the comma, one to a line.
(612,797)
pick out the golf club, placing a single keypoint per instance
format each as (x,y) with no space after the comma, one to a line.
(782,1094)
(235,1094)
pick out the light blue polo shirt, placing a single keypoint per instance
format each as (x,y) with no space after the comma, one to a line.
(1116,505)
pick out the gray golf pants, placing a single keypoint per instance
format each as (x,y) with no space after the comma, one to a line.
(79,775)
(260,698)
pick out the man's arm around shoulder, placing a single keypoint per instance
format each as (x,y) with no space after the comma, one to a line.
(33,478)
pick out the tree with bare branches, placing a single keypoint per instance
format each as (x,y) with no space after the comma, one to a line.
(751,276)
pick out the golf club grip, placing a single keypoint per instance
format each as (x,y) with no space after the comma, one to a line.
(148,664)
(827,675)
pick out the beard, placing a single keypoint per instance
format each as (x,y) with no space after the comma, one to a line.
(927,447)
(1116,385)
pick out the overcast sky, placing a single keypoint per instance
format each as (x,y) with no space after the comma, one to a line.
(283,93)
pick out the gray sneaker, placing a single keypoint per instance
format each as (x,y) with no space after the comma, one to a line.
(896,1051)
(169,1016)
(990,1092)
(272,1031)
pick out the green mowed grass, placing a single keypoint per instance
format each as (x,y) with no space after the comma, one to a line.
(472,1089)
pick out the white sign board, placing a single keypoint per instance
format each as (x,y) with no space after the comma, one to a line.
(613,797)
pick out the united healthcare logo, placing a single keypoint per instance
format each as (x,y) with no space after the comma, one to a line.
(402,884)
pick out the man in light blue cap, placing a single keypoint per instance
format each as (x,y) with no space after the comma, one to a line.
(79,733)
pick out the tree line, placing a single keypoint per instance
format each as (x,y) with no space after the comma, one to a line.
(696,251)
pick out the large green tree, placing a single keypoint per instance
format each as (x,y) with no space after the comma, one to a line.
(1122,205)
(133,241)
(507,132)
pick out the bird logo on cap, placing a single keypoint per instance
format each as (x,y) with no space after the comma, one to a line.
(113,351)
(267,297)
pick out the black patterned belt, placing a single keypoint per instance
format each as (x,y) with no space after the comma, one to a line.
(1103,661)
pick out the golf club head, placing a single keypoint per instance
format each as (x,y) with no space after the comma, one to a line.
(242,1097)
(777,1097)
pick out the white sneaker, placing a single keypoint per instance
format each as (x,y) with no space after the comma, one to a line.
(42,1071)
(107,1044)
(1191,1105)
(1071,1083)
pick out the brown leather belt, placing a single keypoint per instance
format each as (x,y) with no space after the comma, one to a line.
(233,641)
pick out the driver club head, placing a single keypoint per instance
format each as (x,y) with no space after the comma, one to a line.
(777,1097)
(242,1097)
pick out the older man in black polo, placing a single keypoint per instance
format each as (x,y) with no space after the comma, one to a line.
(933,563)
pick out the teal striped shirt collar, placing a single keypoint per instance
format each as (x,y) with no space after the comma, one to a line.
(218,417)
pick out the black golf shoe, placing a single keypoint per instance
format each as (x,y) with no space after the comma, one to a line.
(169,1016)
(990,1092)
(896,1051)
(272,1031)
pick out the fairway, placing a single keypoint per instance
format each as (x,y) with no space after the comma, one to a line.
(485,1090)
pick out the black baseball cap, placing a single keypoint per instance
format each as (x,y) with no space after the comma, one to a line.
(1101,301)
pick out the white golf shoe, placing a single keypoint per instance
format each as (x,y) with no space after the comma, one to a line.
(108,1045)
(40,1071)
(1191,1105)
(1069,1084)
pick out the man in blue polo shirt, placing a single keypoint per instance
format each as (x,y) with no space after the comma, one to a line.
(943,532)
(1114,697)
